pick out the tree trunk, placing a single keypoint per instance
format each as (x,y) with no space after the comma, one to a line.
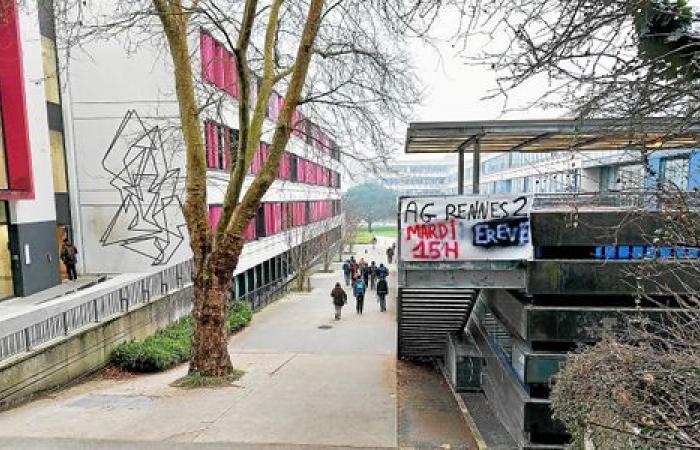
(369,226)
(210,341)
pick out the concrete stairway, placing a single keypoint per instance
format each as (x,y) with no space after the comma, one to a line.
(427,316)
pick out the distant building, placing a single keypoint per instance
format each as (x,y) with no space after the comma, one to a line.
(438,177)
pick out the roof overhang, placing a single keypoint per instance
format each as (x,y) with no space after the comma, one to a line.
(553,135)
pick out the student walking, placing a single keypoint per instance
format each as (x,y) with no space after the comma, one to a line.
(382,271)
(373,274)
(365,274)
(382,291)
(69,256)
(389,254)
(340,298)
(347,271)
(359,289)
(374,242)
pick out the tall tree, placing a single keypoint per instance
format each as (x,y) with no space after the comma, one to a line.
(371,202)
(342,60)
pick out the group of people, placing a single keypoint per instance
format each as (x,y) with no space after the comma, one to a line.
(362,277)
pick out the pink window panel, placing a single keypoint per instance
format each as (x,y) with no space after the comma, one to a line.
(206,43)
(268,213)
(219,52)
(215,215)
(319,174)
(280,105)
(284,171)
(298,124)
(229,73)
(211,144)
(227,148)
(278,217)
(311,173)
(249,233)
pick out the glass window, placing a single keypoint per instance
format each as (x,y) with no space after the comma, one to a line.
(674,172)
(48,54)
(58,161)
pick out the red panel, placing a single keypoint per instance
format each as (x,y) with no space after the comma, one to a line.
(14,108)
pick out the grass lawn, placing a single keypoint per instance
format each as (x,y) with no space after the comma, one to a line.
(363,235)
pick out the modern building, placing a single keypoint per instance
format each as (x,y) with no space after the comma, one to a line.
(92,152)
(34,200)
(434,177)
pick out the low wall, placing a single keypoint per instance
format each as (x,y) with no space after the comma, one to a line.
(68,358)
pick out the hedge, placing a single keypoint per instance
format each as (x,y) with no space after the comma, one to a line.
(172,345)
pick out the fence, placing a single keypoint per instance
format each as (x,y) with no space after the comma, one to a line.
(99,308)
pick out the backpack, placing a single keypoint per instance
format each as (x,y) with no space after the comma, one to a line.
(360,288)
(383,271)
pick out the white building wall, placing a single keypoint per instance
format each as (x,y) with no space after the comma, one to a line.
(42,208)
(102,85)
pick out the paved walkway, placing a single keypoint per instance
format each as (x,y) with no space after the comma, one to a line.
(310,382)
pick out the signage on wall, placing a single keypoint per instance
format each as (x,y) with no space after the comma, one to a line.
(466,227)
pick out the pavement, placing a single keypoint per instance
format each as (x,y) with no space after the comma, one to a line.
(310,382)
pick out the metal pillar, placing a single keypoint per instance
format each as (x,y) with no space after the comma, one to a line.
(476,167)
(460,171)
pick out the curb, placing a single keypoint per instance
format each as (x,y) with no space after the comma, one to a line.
(466,415)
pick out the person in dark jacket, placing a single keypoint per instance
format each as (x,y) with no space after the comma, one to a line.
(382,271)
(389,254)
(69,256)
(382,291)
(365,274)
(340,298)
(347,271)
(373,274)
(358,289)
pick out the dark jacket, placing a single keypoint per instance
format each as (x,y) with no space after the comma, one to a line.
(69,254)
(339,296)
(382,287)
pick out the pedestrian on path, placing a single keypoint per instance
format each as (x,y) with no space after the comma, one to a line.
(69,256)
(358,290)
(373,274)
(374,242)
(389,254)
(347,271)
(365,274)
(382,291)
(382,271)
(340,298)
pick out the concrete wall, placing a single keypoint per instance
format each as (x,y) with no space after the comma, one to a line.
(67,359)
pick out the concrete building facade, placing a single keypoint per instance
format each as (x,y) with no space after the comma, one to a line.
(91,151)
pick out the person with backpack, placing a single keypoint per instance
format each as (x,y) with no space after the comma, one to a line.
(69,256)
(365,274)
(359,289)
(347,271)
(382,271)
(373,274)
(382,291)
(389,254)
(340,298)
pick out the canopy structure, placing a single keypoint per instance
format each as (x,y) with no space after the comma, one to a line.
(549,135)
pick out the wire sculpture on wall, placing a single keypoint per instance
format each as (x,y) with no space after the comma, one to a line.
(149,220)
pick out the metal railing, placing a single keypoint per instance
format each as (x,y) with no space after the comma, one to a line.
(93,310)
(264,295)
(647,200)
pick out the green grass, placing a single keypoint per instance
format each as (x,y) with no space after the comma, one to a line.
(172,345)
(197,380)
(363,236)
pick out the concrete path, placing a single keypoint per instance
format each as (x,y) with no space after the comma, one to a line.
(310,382)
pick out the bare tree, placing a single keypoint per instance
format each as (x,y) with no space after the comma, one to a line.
(625,60)
(351,223)
(343,61)
(309,246)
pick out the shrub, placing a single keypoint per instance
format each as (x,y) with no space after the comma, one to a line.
(173,344)
(240,316)
(167,348)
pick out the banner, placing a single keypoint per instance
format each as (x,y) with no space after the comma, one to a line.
(466,227)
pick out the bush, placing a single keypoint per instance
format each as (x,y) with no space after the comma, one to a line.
(240,316)
(173,344)
(167,348)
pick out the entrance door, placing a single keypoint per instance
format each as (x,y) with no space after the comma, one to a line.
(6,284)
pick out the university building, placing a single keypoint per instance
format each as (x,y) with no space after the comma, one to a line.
(93,152)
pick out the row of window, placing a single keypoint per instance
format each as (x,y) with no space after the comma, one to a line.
(221,142)
(276,217)
(219,69)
